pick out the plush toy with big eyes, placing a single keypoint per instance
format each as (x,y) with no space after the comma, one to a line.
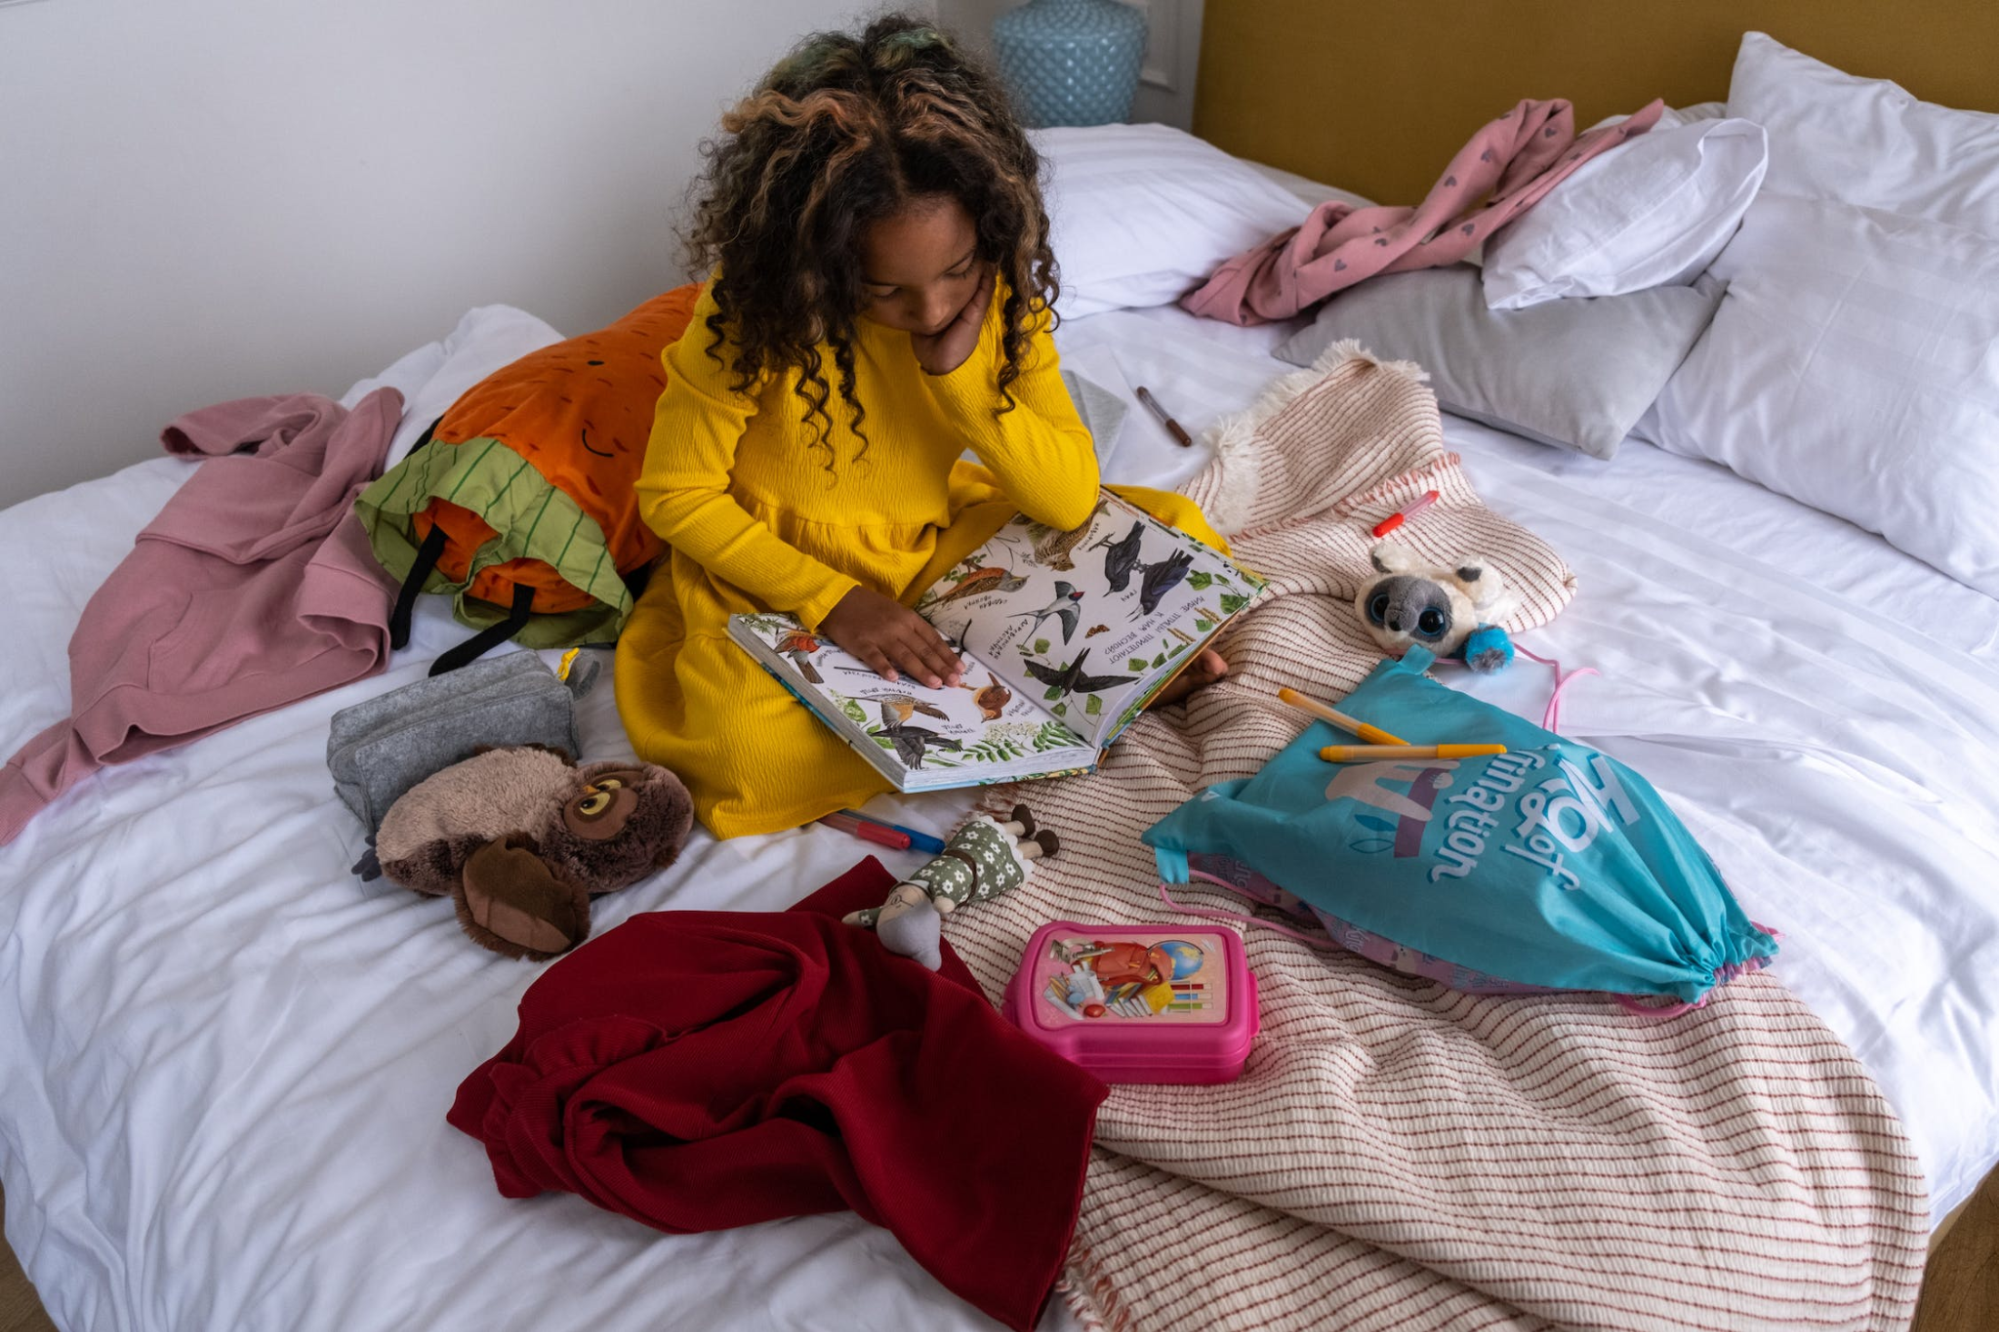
(521,839)
(1449,610)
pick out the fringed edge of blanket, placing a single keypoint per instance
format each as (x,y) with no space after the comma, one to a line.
(1231,479)
(1090,1295)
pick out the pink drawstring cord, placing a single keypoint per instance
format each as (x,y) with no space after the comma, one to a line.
(1551,720)
(1630,1004)
(1643,1010)
(1316,942)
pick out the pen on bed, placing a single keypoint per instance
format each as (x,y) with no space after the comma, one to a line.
(1341,754)
(1173,427)
(921,841)
(1403,515)
(1338,719)
(867,830)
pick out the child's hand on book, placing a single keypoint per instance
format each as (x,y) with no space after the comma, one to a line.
(890,637)
(943,352)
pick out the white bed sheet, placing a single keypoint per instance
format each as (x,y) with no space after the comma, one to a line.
(224,1063)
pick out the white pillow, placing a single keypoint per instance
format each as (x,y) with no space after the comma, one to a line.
(1653,212)
(1672,117)
(1139,215)
(436,375)
(1687,115)
(1866,141)
(1854,365)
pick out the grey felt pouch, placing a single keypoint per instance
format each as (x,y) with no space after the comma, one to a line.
(381,747)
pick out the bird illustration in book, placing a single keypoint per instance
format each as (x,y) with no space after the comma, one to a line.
(1071,679)
(799,646)
(992,698)
(1160,579)
(1053,545)
(987,578)
(906,704)
(1120,556)
(1065,607)
(911,743)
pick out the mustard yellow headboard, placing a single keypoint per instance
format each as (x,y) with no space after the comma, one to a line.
(1375,97)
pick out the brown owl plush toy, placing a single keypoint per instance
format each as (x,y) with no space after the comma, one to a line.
(521,839)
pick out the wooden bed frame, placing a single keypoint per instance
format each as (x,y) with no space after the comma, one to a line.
(1376,98)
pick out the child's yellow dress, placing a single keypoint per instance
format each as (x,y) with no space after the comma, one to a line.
(756,520)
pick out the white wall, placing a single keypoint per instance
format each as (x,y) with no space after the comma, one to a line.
(1172,51)
(206,199)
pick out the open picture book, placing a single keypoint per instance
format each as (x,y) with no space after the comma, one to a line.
(1066,636)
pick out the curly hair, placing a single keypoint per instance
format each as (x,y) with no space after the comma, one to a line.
(843,132)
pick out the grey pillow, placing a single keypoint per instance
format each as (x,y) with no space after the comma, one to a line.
(1576,373)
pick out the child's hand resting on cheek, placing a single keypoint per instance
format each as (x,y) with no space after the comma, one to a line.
(889,636)
(943,352)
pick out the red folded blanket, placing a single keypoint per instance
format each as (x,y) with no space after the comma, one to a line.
(702,1070)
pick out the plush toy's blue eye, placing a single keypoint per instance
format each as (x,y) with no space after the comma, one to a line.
(1432,623)
(1377,608)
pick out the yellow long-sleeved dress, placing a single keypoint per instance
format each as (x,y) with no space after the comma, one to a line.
(756,520)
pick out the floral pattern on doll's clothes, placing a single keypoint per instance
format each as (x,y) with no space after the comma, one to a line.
(981,861)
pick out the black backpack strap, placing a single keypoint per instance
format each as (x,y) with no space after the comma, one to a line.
(426,560)
(474,647)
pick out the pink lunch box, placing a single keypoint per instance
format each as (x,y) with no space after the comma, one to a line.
(1138,1004)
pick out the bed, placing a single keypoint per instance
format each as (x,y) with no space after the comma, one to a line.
(226,1069)
(224,1062)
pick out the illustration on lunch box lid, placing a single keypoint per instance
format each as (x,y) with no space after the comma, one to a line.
(1138,1003)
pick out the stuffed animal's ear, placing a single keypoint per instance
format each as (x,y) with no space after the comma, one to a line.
(1484,585)
(1393,558)
(679,816)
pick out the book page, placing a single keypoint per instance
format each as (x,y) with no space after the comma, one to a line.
(1088,621)
(980,731)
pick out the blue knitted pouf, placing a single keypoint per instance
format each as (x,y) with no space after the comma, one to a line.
(1071,62)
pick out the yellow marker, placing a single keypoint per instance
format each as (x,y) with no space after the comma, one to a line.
(1340,754)
(1359,728)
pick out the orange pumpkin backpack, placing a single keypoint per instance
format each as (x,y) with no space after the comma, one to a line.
(519,500)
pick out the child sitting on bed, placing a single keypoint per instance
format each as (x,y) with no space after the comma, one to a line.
(880,302)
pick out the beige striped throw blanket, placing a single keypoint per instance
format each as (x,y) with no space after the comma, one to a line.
(1397,1154)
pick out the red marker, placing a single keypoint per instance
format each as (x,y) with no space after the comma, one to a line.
(867,830)
(1397,519)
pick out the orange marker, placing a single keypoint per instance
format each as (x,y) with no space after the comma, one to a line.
(1338,719)
(1341,754)
(1401,516)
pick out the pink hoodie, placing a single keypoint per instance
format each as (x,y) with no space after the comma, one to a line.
(252,589)
(1509,166)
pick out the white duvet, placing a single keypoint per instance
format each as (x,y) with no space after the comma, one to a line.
(224,1062)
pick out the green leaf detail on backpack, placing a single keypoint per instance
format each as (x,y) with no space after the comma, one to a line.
(532,519)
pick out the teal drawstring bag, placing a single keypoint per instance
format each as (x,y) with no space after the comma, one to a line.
(1550,866)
